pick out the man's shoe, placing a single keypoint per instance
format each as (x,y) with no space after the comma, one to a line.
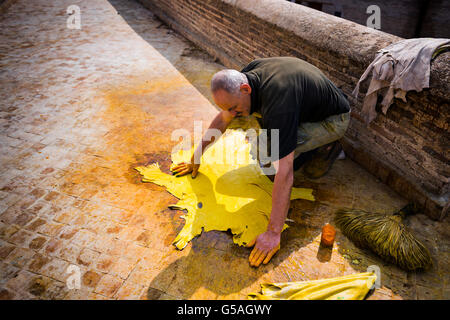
(304,158)
(322,161)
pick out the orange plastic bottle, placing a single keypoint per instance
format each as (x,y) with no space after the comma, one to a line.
(328,234)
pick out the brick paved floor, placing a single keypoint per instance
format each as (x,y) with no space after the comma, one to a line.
(80,109)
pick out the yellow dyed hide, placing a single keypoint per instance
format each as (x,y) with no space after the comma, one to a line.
(351,287)
(229,192)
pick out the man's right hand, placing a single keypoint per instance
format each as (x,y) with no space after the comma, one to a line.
(184,168)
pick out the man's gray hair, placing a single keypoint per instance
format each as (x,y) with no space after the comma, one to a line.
(229,80)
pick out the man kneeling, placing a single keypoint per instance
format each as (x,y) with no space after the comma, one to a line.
(310,113)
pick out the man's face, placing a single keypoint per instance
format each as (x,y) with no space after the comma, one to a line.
(238,104)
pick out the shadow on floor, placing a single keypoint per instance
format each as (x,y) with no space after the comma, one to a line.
(223,272)
(215,263)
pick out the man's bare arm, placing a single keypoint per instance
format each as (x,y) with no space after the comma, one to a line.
(268,243)
(281,193)
(220,122)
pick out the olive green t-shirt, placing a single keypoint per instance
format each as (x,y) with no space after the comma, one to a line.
(287,91)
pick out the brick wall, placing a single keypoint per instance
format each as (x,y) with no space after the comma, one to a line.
(435,22)
(407,149)
(401,17)
(397,17)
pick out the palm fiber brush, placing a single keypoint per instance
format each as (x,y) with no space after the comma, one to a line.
(385,235)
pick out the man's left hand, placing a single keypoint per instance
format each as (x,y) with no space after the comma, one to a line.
(266,245)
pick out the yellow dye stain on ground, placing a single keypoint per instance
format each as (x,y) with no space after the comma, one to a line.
(139,116)
(229,192)
(135,118)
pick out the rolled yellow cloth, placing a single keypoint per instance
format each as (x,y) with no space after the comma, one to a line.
(351,287)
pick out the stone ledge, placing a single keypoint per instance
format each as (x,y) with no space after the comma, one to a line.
(348,39)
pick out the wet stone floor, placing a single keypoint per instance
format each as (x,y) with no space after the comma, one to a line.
(80,108)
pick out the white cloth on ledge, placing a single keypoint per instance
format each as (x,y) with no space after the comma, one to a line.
(400,67)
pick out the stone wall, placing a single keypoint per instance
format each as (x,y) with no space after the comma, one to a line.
(435,23)
(407,149)
(403,18)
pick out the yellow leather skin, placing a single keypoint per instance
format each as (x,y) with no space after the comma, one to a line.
(229,192)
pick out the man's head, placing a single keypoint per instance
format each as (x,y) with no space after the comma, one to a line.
(231,92)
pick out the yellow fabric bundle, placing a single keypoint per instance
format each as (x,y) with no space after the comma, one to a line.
(229,192)
(351,287)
